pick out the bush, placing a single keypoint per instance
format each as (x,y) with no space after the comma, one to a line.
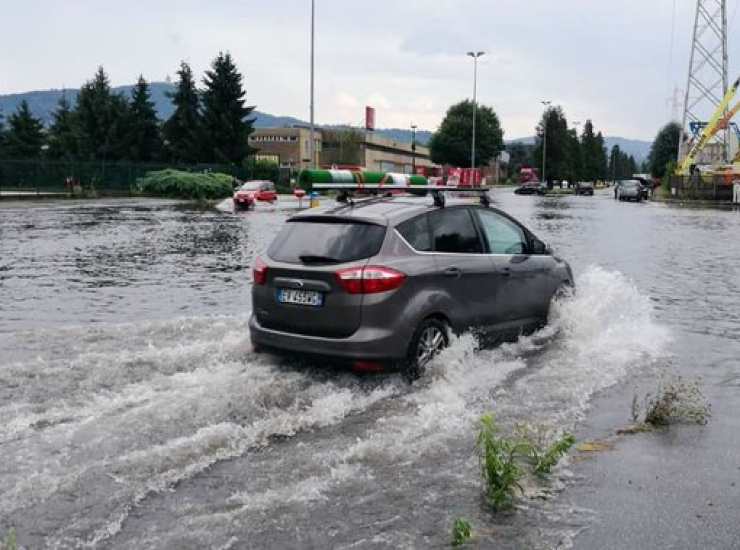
(186,185)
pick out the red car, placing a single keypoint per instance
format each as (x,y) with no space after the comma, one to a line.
(252,191)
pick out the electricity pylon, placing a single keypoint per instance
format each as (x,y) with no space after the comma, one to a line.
(707,82)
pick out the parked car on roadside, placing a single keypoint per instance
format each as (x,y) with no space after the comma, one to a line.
(628,190)
(584,188)
(530,188)
(382,282)
(246,196)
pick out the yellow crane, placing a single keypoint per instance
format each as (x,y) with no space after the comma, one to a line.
(720,120)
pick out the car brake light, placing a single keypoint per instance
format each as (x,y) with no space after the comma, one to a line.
(369,279)
(259,272)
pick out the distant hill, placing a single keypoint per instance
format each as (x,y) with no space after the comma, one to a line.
(43,103)
(637,148)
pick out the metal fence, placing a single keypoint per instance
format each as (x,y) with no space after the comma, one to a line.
(44,177)
(717,188)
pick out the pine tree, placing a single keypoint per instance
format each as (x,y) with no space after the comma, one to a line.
(63,131)
(145,142)
(558,144)
(25,135)
(225,123)
(575,157)
(589,147)
(2,136)
(600,156)
(120,136)
(183,131)
(94,117)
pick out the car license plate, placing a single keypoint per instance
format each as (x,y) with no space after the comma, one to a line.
(300,297)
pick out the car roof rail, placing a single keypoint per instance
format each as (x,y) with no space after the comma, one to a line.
(346,190)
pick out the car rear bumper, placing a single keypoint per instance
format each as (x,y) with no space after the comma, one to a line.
(367,343)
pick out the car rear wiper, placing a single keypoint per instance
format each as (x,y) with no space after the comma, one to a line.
(309,259)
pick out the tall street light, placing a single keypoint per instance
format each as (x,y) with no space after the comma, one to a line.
(413,149)
(475,56)
(312,144)
(544,140)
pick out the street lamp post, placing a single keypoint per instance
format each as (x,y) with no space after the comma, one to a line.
(312,144)
(544,141)
(413,149)
(475,56)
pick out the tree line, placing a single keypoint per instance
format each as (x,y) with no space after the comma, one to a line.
(208,125)
(569,156)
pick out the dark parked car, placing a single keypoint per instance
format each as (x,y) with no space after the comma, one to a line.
(584,188)
(382,282)
(530,188)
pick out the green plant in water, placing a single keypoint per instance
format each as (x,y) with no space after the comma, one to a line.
(544,461)
(10,542)
(542,452)
(461,532)
(498,458)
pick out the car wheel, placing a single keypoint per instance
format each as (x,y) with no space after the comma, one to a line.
(429,339)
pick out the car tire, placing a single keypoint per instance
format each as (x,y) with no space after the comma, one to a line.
(429,338)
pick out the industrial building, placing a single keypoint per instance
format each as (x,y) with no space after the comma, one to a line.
(289,147)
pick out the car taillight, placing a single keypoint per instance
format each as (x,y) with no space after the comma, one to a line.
(369,279)
(259,272)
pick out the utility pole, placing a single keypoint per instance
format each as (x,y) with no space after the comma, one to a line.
(707,81)
(312,144)
(475,56)
(413,149)
(544,140)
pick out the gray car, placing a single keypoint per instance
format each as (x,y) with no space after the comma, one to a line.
(382,282)
(628,190)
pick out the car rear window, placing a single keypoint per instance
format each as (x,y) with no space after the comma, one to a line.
(314,241)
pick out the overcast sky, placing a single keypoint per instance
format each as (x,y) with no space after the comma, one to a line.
(608,61)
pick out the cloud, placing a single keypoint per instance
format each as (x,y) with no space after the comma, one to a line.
(600,60)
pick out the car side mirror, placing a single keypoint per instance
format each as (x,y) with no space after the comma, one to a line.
(538,247)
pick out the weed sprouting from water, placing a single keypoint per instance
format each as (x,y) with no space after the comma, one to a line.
(543,448)
(499,463)
(545,461)
(502,458)
(9,543)
(676,400)
(461,532)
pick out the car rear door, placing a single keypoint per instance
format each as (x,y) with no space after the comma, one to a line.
(525,285)
(463,269)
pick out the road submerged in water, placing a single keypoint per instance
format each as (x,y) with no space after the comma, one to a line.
(134,414)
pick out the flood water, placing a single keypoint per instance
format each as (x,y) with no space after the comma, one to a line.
(134,414)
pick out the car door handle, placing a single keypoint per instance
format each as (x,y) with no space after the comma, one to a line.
(453,272)
(506,272)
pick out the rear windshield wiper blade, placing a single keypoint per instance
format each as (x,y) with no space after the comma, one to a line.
(309,259)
